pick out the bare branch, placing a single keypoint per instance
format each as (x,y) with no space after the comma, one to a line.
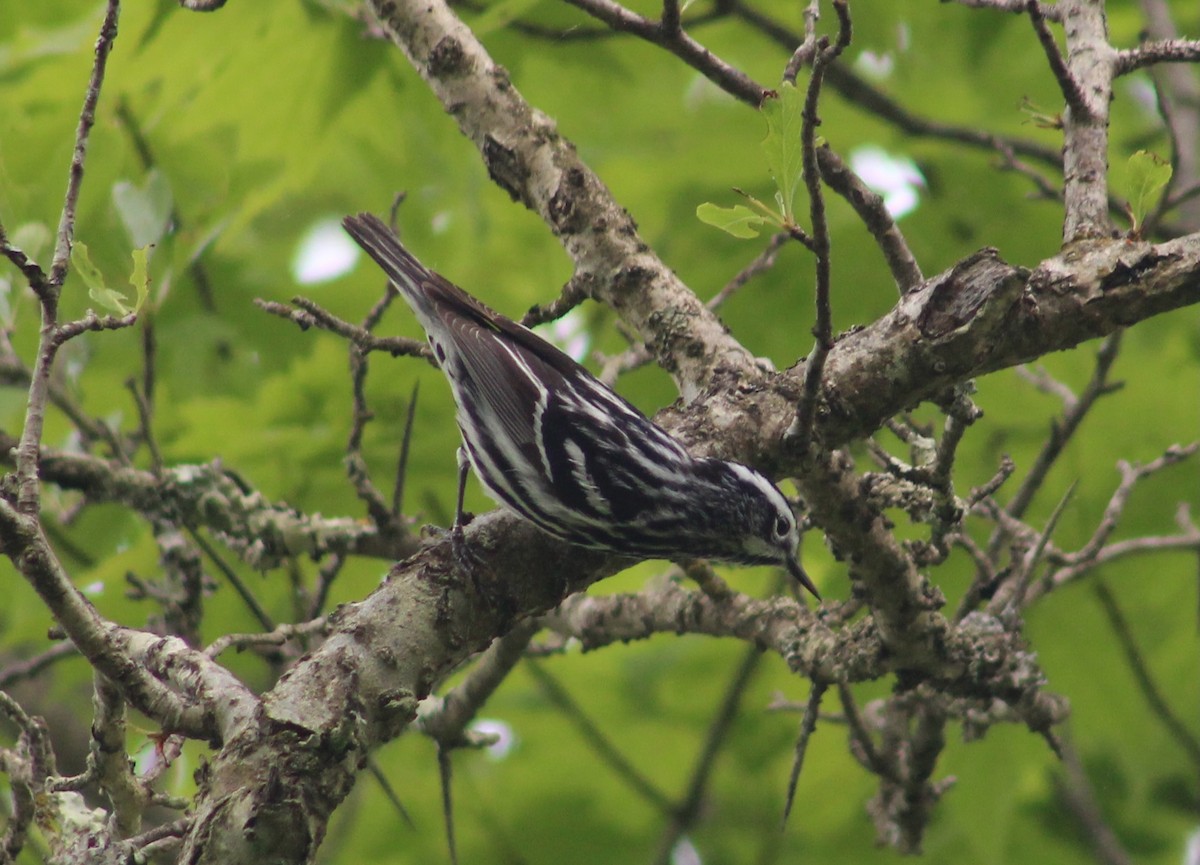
(802,427)
(808,724)
(530,159)
(263,533)
(761,263)
(34,275)
(445,720)
(1159,51)
(280,636)
(1131,474)
(729,78)
(1008,602)
(1061,431)
(1079,797)
(870,208)
(104,646)
(859,91)
(87,117)
(688,810)
(1175,727)
(598,740)
(1067,83)
(309,314)
(27,669)
(1088,88)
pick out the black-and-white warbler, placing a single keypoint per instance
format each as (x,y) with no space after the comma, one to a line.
(554,444)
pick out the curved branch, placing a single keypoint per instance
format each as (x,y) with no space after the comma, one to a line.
(527,157)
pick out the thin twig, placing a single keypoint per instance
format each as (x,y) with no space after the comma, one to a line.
(572,295)
(669,23)
(1155,699)
(871,210)
(857,90)
(447,721)
(325,578)
(808,724)
(30,667)
(356,467)
(1063,429)
(389,792)
(410,419)
(446,777)
(802,427)
(729,78)
(145,422)
(278,637)
(1158,51)
(1131,474)
(1008,604)
(761,263)
(87,117)
(804,52)
(1080,799)
(307,314)
(685,814)
(243,591)
(33,273)
(597,739)
(1071,90)
(862,745)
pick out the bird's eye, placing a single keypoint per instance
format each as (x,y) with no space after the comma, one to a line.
(783,527)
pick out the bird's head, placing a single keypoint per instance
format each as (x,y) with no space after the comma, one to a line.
(767,529)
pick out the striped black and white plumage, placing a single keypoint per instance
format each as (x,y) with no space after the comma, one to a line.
(554,444)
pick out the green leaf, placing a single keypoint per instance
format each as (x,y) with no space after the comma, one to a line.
(98,289)
(140,277)
(783,114)
(1147,174)
(81,261)
(145,209)
(739,220)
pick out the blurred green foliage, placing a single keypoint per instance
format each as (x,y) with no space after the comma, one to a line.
(266,118)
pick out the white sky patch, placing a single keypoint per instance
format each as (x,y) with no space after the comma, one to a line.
(324,253)
(685,853)
(876,66)
(896,178)
(506,739)
(568,333)
(1191,855)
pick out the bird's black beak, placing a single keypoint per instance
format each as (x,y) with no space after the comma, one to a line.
(797,571)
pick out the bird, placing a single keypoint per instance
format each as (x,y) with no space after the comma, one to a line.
(551,442)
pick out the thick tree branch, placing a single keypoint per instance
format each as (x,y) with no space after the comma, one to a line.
(263,533)
(527,157)
(1089,67)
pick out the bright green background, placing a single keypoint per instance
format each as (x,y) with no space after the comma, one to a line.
(267,117)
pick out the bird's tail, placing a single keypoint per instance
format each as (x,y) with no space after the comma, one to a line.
(432,297)
(408,275)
